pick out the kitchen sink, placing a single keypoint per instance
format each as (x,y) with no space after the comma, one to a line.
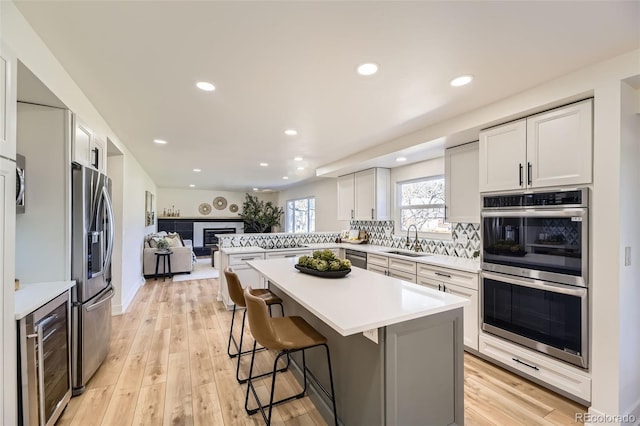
(408,253)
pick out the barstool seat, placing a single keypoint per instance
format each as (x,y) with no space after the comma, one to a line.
(286,335)
(237,296)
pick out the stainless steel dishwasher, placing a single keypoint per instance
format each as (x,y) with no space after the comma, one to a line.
(357,258)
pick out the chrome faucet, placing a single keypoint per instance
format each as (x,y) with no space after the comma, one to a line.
(415,246)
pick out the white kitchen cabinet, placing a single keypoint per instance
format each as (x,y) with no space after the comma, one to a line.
(392,267)
(88,149)
(461,284)
(552,148)
(346,197)
(364,195)
(288,254)
(559,146)
(8,73)
(559,375)
(8,352)
(462,193)
(246,274)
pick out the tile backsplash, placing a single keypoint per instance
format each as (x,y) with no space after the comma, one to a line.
(380,233)
(465,239)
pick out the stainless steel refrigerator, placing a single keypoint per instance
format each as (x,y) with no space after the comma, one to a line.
(92,247)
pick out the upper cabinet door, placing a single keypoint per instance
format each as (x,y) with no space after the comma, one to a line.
(559,146)
(346,194)
(503,152)
(372,188)
(8,72)
(365,194)
(461,184)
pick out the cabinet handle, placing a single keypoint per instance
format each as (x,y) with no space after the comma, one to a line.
(520,173)
(371,214)
(444,288)
(247,258)
(96,153)
(352,214)
(443,275)
(529,173)
(524,363)
(439,287)
(290,255)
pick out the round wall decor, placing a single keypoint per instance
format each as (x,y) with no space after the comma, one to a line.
(220,203)
(204,208)
(233,208)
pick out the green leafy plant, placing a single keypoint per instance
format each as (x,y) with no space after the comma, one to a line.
(260,216)
(163,244)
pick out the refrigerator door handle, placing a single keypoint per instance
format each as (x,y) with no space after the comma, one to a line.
(100,302)
(111,231)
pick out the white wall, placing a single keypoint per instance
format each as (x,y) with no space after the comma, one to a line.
(325,192)
(629,237)
(32,51)
(188,200)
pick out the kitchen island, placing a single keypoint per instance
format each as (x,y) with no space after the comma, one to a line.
(408,371)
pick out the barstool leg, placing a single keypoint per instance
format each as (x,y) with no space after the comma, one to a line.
(333,392)
(250,384)
(233,317)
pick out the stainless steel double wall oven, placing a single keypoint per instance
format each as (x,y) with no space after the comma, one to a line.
(535,271)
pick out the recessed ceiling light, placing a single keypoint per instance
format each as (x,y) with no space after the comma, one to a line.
(192,186)
(300,168)
(297,158)
(401,159)
(291,132)
(197,170)
(264,164)
(285,177)
(160,141)
(206,86)
(367,69)
(461,81)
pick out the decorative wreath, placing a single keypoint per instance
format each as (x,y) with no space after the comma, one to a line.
(204,208)
(220,203)
(233,208)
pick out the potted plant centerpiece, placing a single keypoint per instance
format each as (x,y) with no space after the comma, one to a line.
(259,216)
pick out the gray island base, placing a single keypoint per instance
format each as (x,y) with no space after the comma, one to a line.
(412,376)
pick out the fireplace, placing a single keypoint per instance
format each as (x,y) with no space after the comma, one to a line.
(209,238)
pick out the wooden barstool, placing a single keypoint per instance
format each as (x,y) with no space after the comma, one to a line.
(237,296)
(286,335)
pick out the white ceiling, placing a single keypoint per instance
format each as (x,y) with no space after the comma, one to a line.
(291,64)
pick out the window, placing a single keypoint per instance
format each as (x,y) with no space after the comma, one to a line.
(301,215)
(421,203)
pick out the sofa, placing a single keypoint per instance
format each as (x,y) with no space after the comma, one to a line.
(182,259)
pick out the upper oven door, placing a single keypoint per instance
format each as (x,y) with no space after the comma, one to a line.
(549,245)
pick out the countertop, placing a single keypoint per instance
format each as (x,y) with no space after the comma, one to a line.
(362,300)
(459,263)
(30,297)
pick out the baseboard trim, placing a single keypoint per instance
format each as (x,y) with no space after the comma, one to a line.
(630,417)
(122,308)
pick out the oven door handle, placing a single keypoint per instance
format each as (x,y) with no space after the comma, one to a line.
(537,284)
(543,212)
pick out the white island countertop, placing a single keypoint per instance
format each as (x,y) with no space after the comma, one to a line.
(361,301)
(30,297)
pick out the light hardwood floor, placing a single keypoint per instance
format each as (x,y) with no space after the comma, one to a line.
(168,366)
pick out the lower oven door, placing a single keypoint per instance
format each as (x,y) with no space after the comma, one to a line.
(548,317)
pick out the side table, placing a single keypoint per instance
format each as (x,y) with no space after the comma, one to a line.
(166,263)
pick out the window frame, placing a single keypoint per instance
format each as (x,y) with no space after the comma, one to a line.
(398,232)
(286,215)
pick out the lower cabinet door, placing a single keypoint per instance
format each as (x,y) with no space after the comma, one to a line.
(379,269)
(470,313)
